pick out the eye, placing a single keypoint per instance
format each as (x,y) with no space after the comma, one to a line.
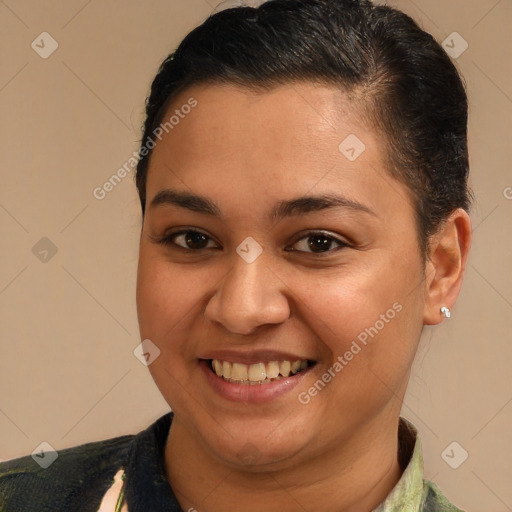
(317,242)
(189,239)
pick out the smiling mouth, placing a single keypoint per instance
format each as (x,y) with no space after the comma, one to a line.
(259,373)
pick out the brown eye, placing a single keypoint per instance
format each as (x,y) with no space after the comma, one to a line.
(190,239)
(195,240)
(318,243)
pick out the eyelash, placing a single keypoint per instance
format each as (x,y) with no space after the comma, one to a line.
(167,240)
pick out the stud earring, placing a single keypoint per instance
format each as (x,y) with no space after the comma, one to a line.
(446,312)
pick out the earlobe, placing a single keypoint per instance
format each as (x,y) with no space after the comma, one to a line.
(446,265)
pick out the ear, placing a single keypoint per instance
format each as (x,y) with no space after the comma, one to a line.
(446,265)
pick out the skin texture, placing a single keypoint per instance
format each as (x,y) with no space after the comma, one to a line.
(246,151)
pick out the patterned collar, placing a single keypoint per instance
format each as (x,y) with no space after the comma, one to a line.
(407,493)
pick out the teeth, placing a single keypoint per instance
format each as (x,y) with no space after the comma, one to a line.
(217,366)
(226,370)
(295,367)
(257,373)
(238,371)
(284,368)
(272,369)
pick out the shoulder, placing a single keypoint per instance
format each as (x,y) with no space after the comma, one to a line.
(435,501)
(78,475)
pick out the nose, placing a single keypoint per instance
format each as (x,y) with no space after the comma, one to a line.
(249,296)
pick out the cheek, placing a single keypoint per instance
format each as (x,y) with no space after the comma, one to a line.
(166,307)
(341,304)
(370,317)
(165,296)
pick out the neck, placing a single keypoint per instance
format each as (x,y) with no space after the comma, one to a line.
(355,477)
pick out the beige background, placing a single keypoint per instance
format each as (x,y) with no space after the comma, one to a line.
(68,325)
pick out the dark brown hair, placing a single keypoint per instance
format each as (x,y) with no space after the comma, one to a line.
(408,86)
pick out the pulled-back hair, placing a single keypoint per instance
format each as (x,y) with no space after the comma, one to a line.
(405,83)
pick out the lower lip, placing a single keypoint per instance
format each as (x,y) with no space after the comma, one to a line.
(247,393)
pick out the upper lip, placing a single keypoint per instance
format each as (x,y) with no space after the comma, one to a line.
(253,356)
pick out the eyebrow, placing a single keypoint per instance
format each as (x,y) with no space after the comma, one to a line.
(285,208)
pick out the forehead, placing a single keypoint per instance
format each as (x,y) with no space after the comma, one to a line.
(285,141)
(299,116)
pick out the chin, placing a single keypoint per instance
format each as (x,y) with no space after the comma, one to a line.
(253,444)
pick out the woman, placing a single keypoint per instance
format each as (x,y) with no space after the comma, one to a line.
(303,183)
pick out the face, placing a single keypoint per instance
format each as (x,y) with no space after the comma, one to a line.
(301,255)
